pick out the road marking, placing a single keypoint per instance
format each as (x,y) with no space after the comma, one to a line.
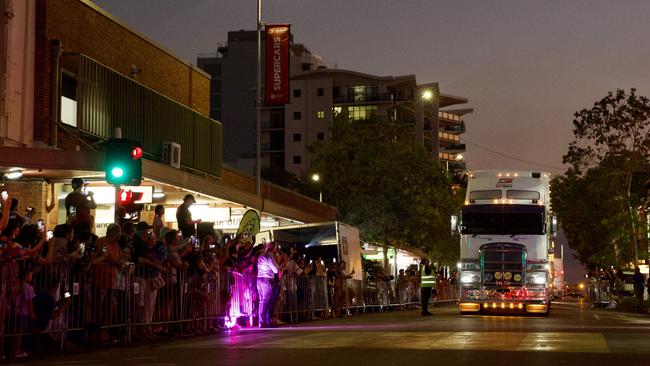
(485,341)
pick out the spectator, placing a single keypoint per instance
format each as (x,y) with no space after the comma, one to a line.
(78,205)
(638,286)
(148,276)
(267,285)
(340,288)
(184,217)
(158,222)
(57,250)
(24,313)
(108,261)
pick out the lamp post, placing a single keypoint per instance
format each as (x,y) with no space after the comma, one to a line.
(316,179)
(258,104)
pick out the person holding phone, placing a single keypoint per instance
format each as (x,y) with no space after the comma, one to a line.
(184,217)
(78,205)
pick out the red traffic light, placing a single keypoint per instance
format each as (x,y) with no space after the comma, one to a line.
(136,153)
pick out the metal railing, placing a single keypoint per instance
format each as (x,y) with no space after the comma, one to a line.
(102,303)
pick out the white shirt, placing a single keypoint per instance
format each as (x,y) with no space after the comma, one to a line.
(266,266)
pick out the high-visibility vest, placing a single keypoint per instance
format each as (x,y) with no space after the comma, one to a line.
(427,280)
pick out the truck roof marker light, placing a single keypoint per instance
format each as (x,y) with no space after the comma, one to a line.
(496,201)
(520,306)
(507,174)
(512,306)
(510,201)
(498,175)
(516,174)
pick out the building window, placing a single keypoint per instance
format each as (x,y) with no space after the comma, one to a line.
(320,136)
(296,93)
(297,137)
(336,111)
(306,66)
(297,159)
(68,100)
(361,112)
(320,114)
(363,93)
(320,92)
(296,115)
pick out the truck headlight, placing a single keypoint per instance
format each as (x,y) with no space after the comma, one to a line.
(470,277)
(536,278)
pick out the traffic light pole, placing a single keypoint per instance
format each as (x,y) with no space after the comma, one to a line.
(118,190)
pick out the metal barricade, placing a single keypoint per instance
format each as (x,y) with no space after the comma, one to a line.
(601,294)
(31,296)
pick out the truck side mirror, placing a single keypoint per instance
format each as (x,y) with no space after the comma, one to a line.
(553,225)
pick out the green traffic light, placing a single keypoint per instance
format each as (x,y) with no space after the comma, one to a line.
(117,172)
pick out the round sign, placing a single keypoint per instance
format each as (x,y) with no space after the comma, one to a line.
(517,277)
(498,275)
(507,276)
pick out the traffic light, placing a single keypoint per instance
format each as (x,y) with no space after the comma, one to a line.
(128,200)
(123,162)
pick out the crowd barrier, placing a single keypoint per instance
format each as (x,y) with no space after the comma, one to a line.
(601,294)
(104,303)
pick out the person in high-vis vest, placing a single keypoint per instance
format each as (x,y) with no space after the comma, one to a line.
(427,283)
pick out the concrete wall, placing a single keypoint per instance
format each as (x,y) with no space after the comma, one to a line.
(17,72)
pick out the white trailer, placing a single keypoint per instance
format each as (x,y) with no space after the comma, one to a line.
(506,227)
(329,240)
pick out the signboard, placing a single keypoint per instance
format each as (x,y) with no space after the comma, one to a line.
(106,194)
(277,64)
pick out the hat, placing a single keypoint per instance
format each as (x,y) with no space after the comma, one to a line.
(189,197)
(142,226)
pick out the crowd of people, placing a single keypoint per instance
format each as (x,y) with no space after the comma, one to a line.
(87,277)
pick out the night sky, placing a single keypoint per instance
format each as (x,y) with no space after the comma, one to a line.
(526,66)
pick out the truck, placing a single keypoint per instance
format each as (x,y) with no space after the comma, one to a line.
(506,227)
(331,241)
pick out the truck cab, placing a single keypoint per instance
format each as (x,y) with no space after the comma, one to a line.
(505,240)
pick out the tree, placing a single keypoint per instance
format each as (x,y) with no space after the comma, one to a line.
(383,182)
(597,198)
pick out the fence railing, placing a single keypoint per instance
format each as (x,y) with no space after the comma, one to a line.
(106,302)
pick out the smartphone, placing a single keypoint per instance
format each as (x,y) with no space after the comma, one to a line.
(49,235)
(104,249)
(5,195)
(212,246)
(311,261)
(40,225)
(82,248)
(67,294)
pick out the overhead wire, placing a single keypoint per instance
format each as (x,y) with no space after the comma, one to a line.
(513,157)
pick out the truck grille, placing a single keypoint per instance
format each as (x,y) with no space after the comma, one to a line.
(503,264)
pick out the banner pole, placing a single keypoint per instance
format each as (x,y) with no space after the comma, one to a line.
(258,104)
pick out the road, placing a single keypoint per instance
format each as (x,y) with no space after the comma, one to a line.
(574,334)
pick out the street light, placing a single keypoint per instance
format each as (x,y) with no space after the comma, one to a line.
(427,95)
(316,178)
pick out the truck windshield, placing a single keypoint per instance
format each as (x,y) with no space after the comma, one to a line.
(503,219)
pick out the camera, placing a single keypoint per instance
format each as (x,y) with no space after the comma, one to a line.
(5,195)
(82,248)
(104,249)
(67,294)
(40,225)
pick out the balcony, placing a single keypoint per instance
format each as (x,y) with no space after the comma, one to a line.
(455,128)
(455,165)
(449,116)
(443,136)
(272,125)
(453,148)
(108,99)
(366,98)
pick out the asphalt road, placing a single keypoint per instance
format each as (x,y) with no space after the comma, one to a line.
(574,334)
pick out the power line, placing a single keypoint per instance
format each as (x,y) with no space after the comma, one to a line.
(512,157)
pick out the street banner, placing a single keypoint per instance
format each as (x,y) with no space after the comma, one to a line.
(277,64)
